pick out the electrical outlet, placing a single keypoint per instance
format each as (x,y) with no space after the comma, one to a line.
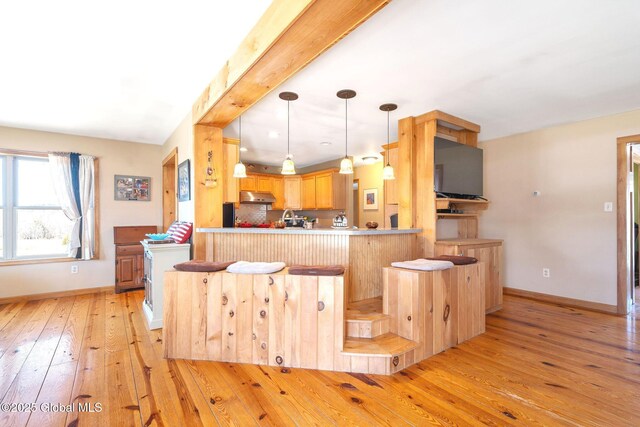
(546,273)
(74,269)
(608,206)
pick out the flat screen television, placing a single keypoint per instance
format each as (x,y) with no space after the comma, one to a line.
(458,169)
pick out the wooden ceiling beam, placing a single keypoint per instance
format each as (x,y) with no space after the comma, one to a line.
(290,35)
(449,119)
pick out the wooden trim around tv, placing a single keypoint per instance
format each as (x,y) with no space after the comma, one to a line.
(60,294)
(568,302)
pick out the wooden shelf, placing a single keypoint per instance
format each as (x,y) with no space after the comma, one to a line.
(445,203)
(451,215)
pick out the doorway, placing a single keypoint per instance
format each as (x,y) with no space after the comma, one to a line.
(628,148)
(169,193)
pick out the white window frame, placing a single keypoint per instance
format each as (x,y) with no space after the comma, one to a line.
(10,209)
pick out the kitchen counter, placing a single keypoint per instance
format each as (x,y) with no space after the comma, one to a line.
(319,230)
(362,252)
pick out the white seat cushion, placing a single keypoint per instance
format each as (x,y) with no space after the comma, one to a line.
(423,265)
(245,267)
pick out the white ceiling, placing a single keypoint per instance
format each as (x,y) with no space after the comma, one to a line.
(508,66)
(127,70)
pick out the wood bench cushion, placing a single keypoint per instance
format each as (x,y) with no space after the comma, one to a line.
(455,259)
(316,270)
(202,266)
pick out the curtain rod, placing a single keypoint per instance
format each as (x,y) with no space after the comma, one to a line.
(34,153)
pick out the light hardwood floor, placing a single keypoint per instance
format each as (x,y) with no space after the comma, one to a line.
(537,364)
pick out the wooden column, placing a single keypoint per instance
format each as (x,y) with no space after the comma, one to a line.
(416,197)
(207,200)
(405,173)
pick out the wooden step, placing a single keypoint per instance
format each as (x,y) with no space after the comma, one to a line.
(366,325)
(383,355)
(383,346)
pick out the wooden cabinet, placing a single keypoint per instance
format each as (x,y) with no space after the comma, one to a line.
(292,192)
(278,193)
(391,186)
(264,184)
(485,250)
(250,183)
(309,192)
(130,256)
(324,190)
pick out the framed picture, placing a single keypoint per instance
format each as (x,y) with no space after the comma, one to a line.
(184,181)
(132,188)
(370,202)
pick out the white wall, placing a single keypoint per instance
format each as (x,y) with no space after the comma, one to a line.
(115,157)
(182,138)
(565,228)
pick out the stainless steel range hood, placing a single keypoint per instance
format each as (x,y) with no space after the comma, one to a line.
(256,198)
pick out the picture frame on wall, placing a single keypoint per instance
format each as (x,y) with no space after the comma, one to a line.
(370,199)
(132,188)
(184,181)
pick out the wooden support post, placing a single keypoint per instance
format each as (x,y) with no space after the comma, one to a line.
(207,200)
(406,188)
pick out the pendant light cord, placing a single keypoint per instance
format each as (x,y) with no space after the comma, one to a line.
(288,131)
(240,142)
(346,129)
(388,136)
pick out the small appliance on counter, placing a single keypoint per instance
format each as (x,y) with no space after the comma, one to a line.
(340,221)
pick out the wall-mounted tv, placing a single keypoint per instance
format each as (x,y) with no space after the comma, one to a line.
(458,169)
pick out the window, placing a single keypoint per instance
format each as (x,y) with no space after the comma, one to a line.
(33,225)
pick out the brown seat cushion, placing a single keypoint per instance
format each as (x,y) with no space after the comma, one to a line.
(316,270)
(202,266)
(456,259)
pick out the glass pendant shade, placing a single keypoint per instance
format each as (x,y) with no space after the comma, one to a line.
(346,167)
(288,168)
(387,173)
(239,171)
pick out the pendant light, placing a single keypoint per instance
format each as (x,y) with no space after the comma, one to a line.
(387,172)
(239,170)
(288,167)
(346,166)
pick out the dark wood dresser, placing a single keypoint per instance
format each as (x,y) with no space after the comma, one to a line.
(130,255)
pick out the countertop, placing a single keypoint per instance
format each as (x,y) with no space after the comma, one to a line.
(299,230)
(467,242)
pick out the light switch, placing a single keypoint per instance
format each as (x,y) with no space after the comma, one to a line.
(608,206)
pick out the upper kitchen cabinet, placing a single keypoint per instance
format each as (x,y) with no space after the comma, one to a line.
(264,184)
(391,185)
(250,183)
(331,191)
(292,192)
(309,192)
(278,193)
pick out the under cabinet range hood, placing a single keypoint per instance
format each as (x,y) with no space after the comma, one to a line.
(256,198)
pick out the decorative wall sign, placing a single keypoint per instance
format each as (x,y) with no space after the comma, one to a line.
(370,202)
(184,181)
(133,188)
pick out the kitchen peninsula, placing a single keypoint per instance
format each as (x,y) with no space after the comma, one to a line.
(364,252)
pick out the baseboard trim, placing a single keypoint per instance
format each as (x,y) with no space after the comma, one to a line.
(60,294)
(569,302)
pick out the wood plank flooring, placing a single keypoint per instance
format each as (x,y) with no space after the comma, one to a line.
(537,364)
